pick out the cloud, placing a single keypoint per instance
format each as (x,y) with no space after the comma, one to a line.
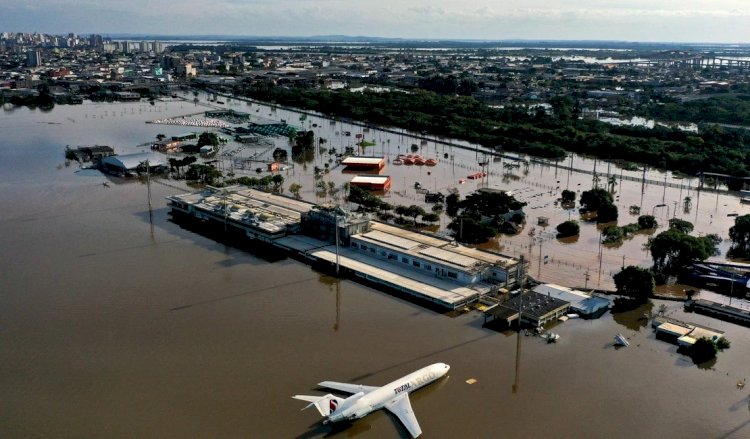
(673,20)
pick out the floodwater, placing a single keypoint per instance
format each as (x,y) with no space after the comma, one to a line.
(539,183)
(115,322)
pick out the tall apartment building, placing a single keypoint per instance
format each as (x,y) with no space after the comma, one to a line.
(33,58)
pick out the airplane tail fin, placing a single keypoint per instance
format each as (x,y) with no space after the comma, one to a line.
(325,404)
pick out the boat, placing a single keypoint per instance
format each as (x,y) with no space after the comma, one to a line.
(620,340)
(476,176)
(419,161)
(397,161)
(408,161)
(430,162)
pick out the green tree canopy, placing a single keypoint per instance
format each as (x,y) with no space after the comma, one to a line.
(673,250)
(208,138)
(568,196)
(472,230)
(647,222)
(703,350)
(568,228)
(681,225)
(595,198)
(606,213)
(740,236)
(635,282)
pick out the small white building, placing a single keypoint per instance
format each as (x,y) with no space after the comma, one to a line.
(585,305)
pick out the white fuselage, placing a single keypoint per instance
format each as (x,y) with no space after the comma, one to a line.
(378,398)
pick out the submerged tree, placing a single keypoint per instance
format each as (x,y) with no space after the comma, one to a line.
(740,236)
(635,282)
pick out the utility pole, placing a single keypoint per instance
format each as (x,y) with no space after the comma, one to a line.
(336,231)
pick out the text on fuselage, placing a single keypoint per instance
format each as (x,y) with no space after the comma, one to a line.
(402,388)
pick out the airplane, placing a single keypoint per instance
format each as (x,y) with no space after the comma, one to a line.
(364,400)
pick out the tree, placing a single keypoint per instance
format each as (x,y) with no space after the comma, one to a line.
(451,204)
(612,182)
(740,236)
(595,198)
(568,228)
(704,349)
(414,211)
(612,234)
(568,196)
(606,213)
(673,250)
(681,225)
(294,189)
(208,138)
(278,181)
(635,282)
(470,230)
(305,139)
(401,210)
(647,222)
(430,217)
(204,173)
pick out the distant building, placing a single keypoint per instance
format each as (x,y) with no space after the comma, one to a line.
(33,58)
(186,70)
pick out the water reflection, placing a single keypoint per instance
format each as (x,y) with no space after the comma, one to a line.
(634,319)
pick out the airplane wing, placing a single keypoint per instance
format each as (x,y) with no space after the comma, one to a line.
(346,387)
(401,407)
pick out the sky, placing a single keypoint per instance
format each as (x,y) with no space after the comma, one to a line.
(715,21)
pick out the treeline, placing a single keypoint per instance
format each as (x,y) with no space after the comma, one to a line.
(731,109)
(515,128)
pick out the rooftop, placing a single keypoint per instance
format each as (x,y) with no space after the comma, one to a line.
(248,207)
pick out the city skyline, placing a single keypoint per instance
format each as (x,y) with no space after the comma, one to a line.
(639,20)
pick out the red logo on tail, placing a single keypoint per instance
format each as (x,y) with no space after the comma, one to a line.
(332,404)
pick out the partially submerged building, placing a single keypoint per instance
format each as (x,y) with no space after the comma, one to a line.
(257,215)
(372,182)
(363,163)
(421,265)
(681,333)
(132,163)
(585,305)
(89,153)
(528,308)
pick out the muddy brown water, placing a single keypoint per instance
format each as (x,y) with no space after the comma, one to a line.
(117,323)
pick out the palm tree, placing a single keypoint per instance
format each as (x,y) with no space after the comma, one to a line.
(612,182)
(687,203)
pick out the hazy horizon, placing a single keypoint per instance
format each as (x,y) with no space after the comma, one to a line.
(687,21)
